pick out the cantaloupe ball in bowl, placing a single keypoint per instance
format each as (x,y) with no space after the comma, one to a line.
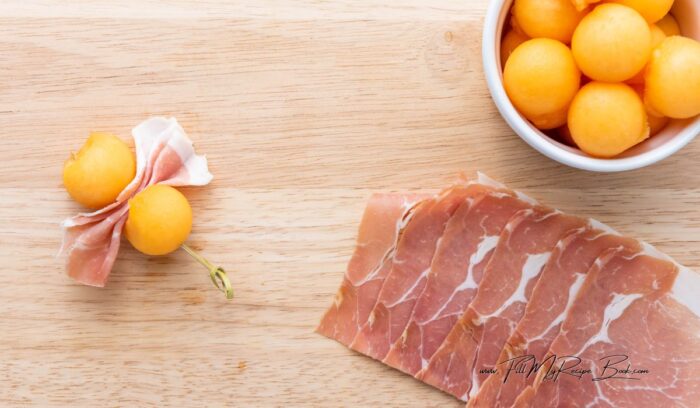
(673,78)
(551,120)
(555,19)
(612,43)
(510,42)
(651,10)
(583,4)
(605,119)
(669,25)
(657,122)
(541,79)
(657,37)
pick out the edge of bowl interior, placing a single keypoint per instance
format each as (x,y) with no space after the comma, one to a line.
(493,25)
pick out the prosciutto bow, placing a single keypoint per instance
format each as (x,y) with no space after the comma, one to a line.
(164,154)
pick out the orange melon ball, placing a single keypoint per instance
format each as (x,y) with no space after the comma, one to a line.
(606,119)
(515,26)
(582,4)
(651,10)
(551,120)
(160,220)
(669,25)
(612,43)
(555,19)
(510,42)
(100,170)
(541,79)
(673,78)
(656,122)
(657,37)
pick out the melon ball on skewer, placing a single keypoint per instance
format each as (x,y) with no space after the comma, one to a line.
(651,10)
(555,19)
(612,43)
(100,170)
(669,25)
(160,220)
(673,78)
(510,42)
(541,79)
(606,119)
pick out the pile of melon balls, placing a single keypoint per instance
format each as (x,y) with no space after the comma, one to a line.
(636,69)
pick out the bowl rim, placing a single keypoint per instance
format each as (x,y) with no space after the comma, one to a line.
(538,140)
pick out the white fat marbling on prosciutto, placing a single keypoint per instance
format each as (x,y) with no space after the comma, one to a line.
(531,269)
(488,181)
(613,311)
(482,178)
(475,386)
(486,245)
(533,266)
(573,291)
(595,224)
(686,289)
(411,292)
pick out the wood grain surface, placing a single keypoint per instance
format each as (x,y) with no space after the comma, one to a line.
(303,108)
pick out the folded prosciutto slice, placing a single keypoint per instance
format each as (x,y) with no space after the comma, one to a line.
(549,304)
(164,154)
(385,217)
(464,251)
(635,325)
(474,344)
(410,269)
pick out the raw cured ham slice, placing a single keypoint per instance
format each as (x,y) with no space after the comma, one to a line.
(475,342)
(464,251)
(410,269)
(460,289)
(634,312)
(549,304)
(164,154)
(384,218)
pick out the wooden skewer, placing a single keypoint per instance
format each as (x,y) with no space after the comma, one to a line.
(216,273)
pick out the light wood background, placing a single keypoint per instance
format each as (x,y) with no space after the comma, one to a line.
(303,108)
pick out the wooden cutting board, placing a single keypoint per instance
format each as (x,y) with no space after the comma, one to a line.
(303,108)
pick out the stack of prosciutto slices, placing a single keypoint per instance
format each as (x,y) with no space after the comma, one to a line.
(491,297)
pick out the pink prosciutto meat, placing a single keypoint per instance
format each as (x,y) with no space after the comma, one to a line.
(475,342)
(634,312)
(164,154)
(409,271)
(551,299)
(464,251)
(380,229)
(481,276)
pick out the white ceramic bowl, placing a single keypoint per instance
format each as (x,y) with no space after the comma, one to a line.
(676,135)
